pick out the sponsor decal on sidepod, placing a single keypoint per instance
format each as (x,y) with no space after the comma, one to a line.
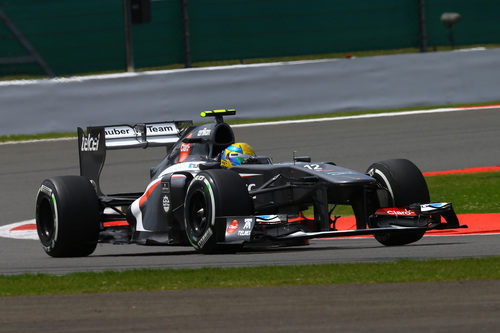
(231,229)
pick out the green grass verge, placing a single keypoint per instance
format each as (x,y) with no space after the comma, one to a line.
(22,137)
(172,279)
(471,193)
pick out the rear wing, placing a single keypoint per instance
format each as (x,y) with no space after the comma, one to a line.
(133,136)
(93,144)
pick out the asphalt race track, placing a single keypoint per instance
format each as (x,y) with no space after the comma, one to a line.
(470,306)
(438,141)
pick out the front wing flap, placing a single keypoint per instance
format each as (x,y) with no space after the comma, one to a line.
(240,229)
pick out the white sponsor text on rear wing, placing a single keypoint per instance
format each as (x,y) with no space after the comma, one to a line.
(135,136)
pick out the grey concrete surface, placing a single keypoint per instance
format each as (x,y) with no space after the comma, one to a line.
(283,89)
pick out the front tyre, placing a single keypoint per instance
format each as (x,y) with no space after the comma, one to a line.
(211,194)
(406,185)
(67,216)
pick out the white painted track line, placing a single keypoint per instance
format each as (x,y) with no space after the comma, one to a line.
(314,120)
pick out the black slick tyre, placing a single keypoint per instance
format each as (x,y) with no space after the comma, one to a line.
(406,185)
(211,194)
(67,216)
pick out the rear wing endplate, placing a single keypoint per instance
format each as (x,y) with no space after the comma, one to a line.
(93,144)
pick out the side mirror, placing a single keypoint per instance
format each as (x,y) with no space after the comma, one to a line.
(302,159)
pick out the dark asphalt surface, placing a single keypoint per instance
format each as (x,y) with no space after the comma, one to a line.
(468,306)
(433,141)
(18,256)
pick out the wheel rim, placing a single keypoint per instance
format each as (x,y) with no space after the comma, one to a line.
(198,213)
(46,227)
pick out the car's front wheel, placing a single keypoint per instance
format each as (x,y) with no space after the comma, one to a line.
(406,185)
(211,194)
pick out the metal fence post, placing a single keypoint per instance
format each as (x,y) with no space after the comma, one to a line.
(187,35)
(422,24)
(129,48)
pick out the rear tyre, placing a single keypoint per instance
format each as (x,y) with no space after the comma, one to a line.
(406,185)
(67,216)
(214,193)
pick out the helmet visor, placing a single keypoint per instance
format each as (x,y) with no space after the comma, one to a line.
(238,158)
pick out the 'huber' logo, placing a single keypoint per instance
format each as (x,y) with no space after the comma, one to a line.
(90,143)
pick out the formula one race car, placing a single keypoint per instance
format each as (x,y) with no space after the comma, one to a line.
(193,200)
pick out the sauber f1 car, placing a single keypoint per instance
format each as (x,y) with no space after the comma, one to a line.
(192,200)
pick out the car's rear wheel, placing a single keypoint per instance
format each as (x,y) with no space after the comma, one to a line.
(67,216)
(406,185)
(213,193)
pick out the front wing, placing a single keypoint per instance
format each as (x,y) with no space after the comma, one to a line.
(255,229)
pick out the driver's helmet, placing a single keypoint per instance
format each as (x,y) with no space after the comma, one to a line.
(235,154)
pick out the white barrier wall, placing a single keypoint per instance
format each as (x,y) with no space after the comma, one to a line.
(266,90)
